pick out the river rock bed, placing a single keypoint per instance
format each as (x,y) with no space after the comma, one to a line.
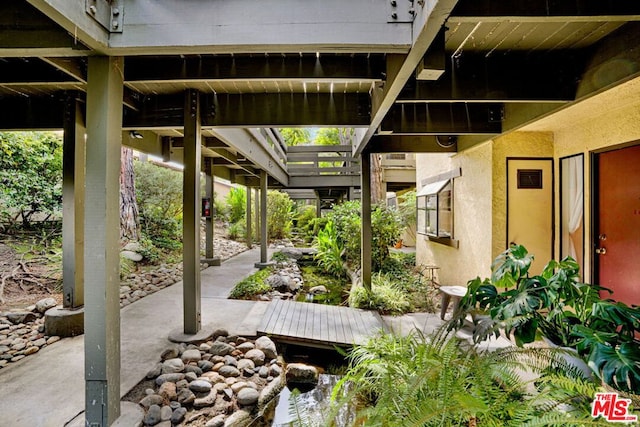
(22,332)
(225,381)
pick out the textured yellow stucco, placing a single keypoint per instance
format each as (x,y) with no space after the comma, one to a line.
(479,203)
(472,216)
(606,121)
(516,144)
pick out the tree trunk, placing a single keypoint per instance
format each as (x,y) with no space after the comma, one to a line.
(129,221)
(378,194)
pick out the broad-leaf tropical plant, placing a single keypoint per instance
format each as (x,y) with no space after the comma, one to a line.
(329,251)
(557,306)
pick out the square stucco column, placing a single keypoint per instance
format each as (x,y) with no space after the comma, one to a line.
(191,213)
(101,249)
(365,247)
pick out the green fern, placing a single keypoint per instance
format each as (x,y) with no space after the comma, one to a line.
(437,381)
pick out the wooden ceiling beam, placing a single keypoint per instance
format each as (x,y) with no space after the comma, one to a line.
(408,144)
(443,119)
(208,68)
(503,77)
(475,10)
(256,110)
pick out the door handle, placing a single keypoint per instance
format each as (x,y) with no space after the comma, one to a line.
(601,251)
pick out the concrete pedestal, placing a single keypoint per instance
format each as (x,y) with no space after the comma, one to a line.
(62,322)
(178,335)
(212,262)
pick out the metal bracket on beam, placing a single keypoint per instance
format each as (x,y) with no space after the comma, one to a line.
(108,13)
(400,11)
(496,114)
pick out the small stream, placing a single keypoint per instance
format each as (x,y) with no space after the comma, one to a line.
(312,407)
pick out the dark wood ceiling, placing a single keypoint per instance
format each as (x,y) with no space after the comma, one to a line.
(501,64)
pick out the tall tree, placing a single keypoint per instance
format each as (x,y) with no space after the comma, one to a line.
(129,215)
(295,136)
(378,193)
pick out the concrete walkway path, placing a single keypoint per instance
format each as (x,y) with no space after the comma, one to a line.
(47,389)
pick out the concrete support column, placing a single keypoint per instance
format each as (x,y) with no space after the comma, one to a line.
(365,185)
(73,158)
(248,230)
(210,257)
(263,220)
(101,249)
(191,213)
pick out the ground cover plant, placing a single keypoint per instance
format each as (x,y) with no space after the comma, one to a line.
(253,286)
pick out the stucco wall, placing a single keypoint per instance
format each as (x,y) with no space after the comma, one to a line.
(479,203)
(516,144)
(610,119)
(472,216)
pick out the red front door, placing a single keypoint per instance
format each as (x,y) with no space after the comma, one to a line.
(617,240)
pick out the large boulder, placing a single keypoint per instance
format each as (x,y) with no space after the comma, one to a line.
(45,304)
(300,373)
(267,346)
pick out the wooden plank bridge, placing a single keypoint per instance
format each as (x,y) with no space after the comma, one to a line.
(319,325)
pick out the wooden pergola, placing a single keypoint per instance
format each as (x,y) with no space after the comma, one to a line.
(205,82)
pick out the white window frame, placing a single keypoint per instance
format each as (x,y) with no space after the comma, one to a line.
(430,199)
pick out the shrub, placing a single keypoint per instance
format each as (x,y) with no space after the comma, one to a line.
(407,212)
(306,215)
(236,204)
(252,286)
(164,232)
(30,174)
(385,296)
(149,251)
(278,256)
(385,230)
(279,214)
(236,230)
(220,208)
(159,197)
(314,226)
(329,251)
(346,217)
(126,267)
(158,188)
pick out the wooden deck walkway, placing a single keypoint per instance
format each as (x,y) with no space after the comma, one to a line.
(318,324)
